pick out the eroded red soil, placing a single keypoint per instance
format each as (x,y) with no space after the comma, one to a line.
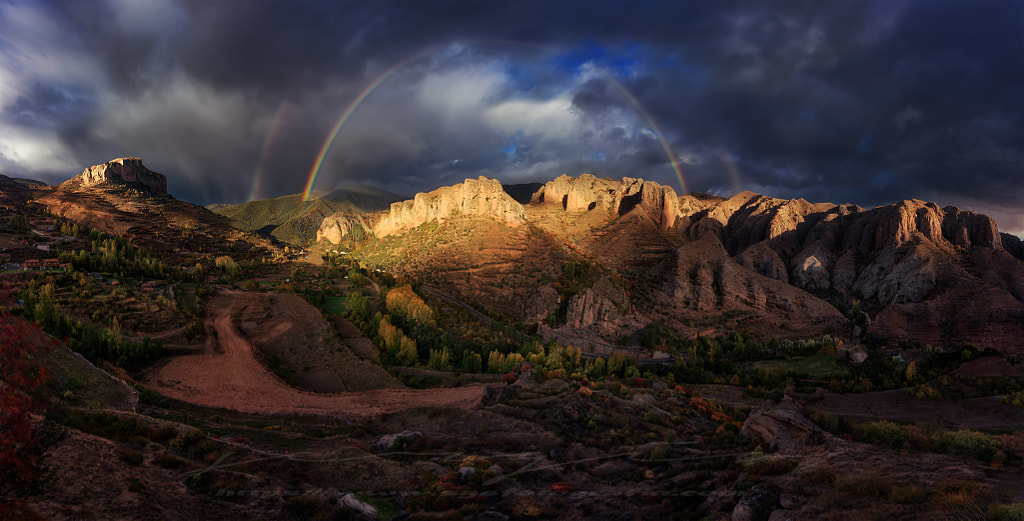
(232,378)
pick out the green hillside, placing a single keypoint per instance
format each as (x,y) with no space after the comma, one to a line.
(290,220)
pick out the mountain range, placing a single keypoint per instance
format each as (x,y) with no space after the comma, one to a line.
(704,264)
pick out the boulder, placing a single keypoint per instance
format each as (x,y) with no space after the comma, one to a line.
(782,426)
(387,442)
(363,508)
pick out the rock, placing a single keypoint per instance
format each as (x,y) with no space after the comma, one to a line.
(590,310)
(387,442)
(659,386)
(613,467)
(466,472)
(660,202)
(587,193)
(782,426)
(754,505)
(335,227)
(782,515)
(480,197)
(121,170)
(970,230)
(491,515)
(365,509)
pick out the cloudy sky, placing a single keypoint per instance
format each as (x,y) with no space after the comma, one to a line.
(866,102)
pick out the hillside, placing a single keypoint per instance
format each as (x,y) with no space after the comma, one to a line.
(291,220)
(124,198)
(595,260)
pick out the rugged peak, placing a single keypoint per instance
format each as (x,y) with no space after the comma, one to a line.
(587,192)
(121,170)
(483,196)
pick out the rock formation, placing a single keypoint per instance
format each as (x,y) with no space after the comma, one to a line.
(335,227)
(480,197)
(121,170)
(587,193)
(782,426)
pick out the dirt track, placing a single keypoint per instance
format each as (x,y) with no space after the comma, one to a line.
(234,379)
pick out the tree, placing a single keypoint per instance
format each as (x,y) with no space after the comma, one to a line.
(22,384)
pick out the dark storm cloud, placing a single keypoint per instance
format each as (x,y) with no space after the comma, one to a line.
(865,102)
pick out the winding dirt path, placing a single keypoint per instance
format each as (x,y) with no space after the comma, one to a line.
(234,379)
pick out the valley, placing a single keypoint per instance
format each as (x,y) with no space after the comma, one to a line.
(601,349)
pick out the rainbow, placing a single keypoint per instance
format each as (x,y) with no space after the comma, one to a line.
(344,118)
(654,125)
(257,180)
(734,173)
(336,129)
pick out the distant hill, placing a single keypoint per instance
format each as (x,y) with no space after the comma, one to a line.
(31,183)
(289,219)
(124,198)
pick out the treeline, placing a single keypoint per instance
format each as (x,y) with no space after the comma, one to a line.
(111,254)
(91,341)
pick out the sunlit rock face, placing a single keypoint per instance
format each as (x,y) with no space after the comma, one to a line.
(478,197)
(123,170)
(588,193)
(335,227)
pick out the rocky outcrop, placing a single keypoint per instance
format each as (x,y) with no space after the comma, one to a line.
(590,310)
(706,279)
(587,193)
(660,202)
(782,426)
(583,193)
(122,170)
(480,197)
(337,226)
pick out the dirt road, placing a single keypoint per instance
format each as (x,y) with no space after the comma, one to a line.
(234,379)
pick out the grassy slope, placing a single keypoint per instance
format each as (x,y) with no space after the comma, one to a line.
(291,220)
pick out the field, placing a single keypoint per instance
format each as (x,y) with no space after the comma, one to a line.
(816,366)
(334,305)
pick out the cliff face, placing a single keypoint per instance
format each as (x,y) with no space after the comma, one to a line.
(335,227)
(588,193)
(122,170)
(931,274)
(480,197)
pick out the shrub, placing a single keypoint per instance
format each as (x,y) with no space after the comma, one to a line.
(1011,512)
(968,443)
(882,433)
(132,457)
(1016,399)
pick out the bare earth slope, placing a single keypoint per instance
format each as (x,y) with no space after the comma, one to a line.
(234,379)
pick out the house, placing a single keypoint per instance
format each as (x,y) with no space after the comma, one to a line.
(32,264)
(51,264)
(12,266)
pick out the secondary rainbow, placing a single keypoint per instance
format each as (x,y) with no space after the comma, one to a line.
(257,181)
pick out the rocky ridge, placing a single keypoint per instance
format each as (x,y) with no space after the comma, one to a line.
(121,170)
(481,197)
(936,275)
(587,193)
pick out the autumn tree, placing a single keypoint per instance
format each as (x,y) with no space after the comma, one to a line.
(22,387)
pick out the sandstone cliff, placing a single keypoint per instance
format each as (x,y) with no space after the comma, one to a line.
(480,197)
(121,170)
(587,193)
(335,227)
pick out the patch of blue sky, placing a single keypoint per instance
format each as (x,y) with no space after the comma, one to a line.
(620,61)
